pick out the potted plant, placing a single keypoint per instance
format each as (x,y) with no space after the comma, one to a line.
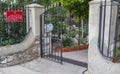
(117,58)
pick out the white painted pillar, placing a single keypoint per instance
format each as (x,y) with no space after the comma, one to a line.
(33,17)
(97,64)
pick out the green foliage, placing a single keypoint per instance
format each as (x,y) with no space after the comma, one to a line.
(14,32)
(67,42)
(78,8)
(119,14)
(84,30)
(45,3)
(82,40)
(56,29)
(72,33)
(18,1)
(64,28)
(118,51)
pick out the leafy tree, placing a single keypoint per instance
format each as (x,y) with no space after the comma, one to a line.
(45,3)
(78,8)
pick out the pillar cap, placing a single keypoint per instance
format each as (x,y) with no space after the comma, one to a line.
(34,1)
(98,2)
(34,5)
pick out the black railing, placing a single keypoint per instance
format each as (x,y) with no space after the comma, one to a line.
(109,38)
(11,32)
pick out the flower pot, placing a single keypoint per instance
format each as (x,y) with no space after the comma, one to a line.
(118,55)
(64,49)
(79,47)
(82,47)
(116,59)
(58,50)
(86,46)
(69,49)
(72,49)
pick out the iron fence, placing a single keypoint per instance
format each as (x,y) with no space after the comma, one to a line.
(11,32)
(109,33)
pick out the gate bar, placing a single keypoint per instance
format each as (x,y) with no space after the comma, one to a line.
(41,50)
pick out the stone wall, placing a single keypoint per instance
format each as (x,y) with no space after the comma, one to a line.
(28,49)
(20,57)
(20,53)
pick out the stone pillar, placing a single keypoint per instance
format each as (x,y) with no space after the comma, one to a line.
(102,0)
(33,17)
(97,64)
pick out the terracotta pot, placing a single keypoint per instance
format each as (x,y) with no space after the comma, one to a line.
(73,49)
(82,47)
(69,49)
(64,49)
(114,60)
(77,48)
(86,46)
(118,55)
(58,50)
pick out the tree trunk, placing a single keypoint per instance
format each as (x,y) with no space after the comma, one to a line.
(82,27)
(70,21)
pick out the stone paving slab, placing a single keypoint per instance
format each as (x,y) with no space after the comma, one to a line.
(43,66)
(80,55)
(1,73)
(86,72)
(49,67)
(17,70)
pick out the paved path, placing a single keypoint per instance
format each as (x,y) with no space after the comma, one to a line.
(18,70)
(80,55)
(43,66)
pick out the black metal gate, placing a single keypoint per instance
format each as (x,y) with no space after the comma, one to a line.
(51,33)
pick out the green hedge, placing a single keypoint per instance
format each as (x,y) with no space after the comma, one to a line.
(13,32)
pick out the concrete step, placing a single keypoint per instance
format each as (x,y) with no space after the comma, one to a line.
(1,73)
(18,70)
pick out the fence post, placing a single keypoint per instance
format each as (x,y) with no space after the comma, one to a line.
(97,64)
(33,12)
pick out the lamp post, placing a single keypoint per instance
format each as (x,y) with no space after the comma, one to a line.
(34,1)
